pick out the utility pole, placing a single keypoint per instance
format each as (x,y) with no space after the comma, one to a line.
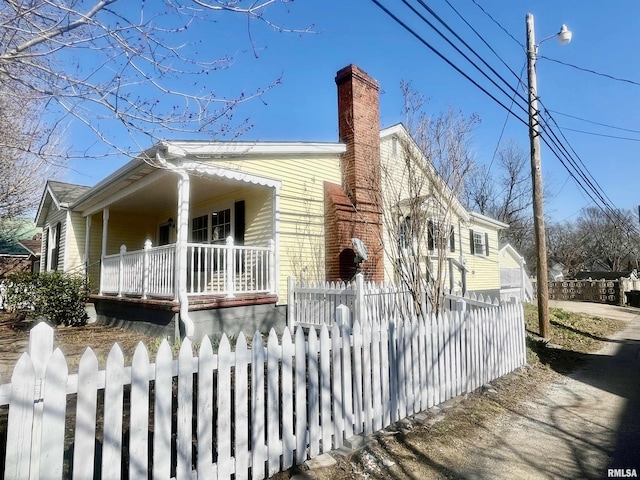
(542,285)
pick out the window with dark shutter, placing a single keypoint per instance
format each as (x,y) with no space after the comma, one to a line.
(238,224)
(431,233)
(452,239)
(486,244)
(472,242)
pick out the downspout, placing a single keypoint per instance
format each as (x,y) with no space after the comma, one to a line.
(181,242)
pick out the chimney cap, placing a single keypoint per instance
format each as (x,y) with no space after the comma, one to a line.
(353,71)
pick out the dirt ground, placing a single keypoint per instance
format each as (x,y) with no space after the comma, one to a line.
(536,423)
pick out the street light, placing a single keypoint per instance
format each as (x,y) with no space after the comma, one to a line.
(564,37)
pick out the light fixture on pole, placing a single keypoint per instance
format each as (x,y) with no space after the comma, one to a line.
(564,37)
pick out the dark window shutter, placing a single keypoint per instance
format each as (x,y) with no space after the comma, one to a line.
(430,232)
(238,224)
(55,252)
(45,248)
(472,245)
(452,239)
(486,244)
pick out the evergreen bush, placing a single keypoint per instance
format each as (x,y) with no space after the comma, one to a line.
(59,298)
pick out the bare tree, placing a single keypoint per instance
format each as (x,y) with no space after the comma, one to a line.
(421,186)
(123,68)
(609,238)
(506,196)
(142,70)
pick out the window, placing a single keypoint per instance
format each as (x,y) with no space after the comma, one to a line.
(200,229)
(404,233)
(217,226)
(479,242)
(220,226)
(435,237)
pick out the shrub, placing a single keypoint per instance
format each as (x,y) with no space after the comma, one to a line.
(57,297)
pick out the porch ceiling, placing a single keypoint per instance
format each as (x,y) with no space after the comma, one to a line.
(162,194)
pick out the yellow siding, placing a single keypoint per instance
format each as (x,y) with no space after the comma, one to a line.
(129,230)
(301,212)
(75,242)
(483,271)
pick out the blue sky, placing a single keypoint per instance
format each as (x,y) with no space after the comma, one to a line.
(303,106)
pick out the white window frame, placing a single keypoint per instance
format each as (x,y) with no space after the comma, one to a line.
(208,212)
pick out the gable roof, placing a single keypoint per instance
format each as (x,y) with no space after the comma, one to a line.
(33,246)
(400,131)
(60,194)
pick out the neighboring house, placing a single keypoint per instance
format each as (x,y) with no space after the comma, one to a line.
(19,255)
(33,246)
(514,279)
(195,237)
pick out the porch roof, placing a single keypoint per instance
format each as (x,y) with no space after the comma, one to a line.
(188,156)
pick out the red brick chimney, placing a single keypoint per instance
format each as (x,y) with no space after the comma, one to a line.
(353,209)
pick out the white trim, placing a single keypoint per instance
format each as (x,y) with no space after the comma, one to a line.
(216,149)
(222,172)
(487,221)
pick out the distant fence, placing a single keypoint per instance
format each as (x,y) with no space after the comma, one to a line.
(250,412)
(315,304)
(597,291)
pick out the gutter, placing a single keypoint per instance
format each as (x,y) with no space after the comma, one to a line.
(181,250)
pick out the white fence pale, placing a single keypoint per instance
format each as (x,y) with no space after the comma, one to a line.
(257,410)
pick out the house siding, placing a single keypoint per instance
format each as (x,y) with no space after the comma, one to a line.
(483,273)
(301,211)
(75,242)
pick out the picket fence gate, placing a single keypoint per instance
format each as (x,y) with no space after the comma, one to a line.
(250,412)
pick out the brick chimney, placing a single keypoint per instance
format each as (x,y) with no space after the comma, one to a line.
(353,209)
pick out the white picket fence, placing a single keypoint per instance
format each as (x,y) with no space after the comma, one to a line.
(256,410)
(314,304)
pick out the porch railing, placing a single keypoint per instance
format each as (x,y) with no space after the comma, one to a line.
(211,270)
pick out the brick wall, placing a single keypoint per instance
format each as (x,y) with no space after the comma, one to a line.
(353,209)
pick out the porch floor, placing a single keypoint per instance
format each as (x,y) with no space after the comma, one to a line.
(196,302)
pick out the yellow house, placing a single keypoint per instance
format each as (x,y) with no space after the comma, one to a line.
(195,237)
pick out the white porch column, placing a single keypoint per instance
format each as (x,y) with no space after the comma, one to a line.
(182,234)
(276,239)
(87,243)
(105,229)
(103,250)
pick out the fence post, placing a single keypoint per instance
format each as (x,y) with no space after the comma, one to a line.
(342,317)
(230,272)
(273,281)
(123,250)
(291,298)
(358,314)
(145,268)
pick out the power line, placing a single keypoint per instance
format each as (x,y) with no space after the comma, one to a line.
(606,75)
(600,134)
(445,59)
(595,123)
(498,23)
(552,141)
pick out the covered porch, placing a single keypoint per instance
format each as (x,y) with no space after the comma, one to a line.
(174,230)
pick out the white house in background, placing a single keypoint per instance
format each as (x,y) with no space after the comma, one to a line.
(514,279)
